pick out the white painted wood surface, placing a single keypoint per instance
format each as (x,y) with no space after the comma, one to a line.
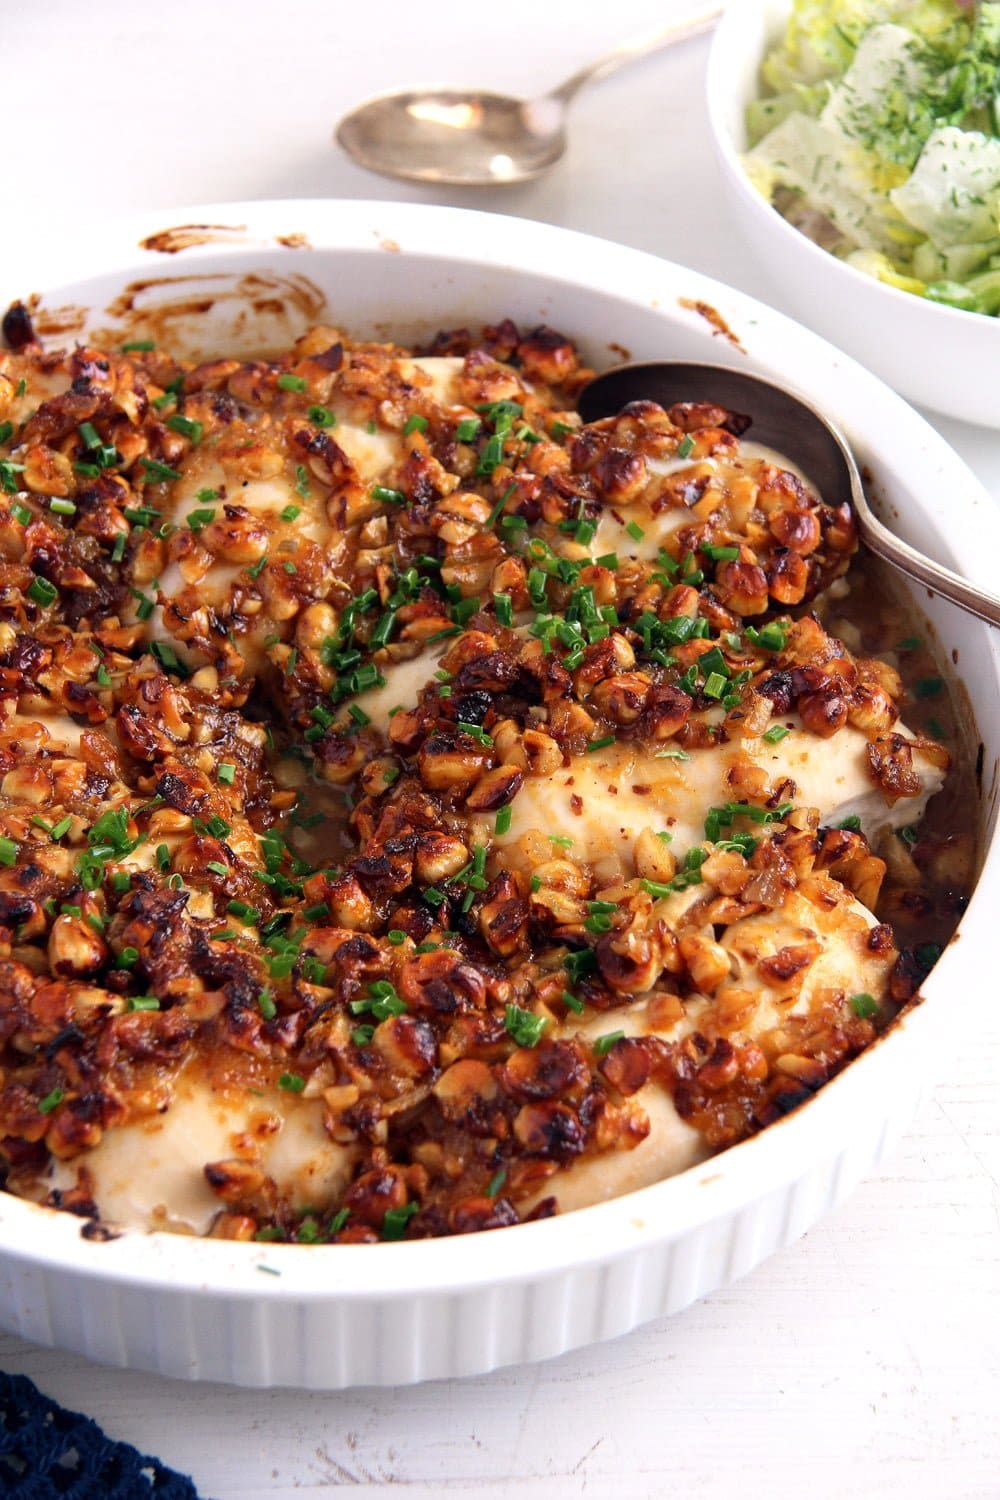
(865,1360)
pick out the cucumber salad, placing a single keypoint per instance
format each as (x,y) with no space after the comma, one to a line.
(878,136)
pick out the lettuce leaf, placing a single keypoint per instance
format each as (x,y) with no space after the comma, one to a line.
(822,35)
(879,103)
(953,193)
(815,160)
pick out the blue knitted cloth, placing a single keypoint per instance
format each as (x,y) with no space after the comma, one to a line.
(47,1453)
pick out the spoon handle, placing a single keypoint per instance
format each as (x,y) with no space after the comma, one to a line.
(976,601)
(700,20)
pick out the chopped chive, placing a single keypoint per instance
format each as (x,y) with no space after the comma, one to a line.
(321,416)
(635,531)
(928,687)
(227,773)
(468,429)
(302,481)
(290,512)
(396,1219)
(291,383)
(601,744)
(496,1182)
(168,658)
(775,734)
(504,609)
(187,427)
(771,636)
(8,469)
(143,1002)
(138,346)
(524,1026)
(603,1044)
(266,1005)
(156,470)
(864,1006)
(598,922)
(686,446)
(62,507)
(49,1103)
(415,423)
(388,496)
(141,515)
(42,591)
(145,606)
(118,550)
(491,519)
(504,817)
(292,1083)
(476,733)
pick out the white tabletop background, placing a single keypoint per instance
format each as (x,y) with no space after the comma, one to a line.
(865,1360)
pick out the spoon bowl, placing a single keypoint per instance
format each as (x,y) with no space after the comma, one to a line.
(787,422)
(465,138)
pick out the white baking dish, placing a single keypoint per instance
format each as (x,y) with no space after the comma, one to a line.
(259,1314)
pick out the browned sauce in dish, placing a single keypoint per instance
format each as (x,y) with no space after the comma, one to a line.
(420,812)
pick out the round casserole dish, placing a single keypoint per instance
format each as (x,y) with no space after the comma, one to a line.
(265,1314)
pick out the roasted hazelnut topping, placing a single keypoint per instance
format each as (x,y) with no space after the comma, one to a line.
(420,811)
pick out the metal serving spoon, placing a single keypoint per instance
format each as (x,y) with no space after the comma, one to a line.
(795,429)
(472,138)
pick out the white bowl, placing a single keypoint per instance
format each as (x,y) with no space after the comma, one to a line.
(938,356)
(257,1314)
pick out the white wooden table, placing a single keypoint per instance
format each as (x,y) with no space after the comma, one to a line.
(866,1359)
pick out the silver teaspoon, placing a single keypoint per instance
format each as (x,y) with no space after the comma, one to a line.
(795,429)
(472,138)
